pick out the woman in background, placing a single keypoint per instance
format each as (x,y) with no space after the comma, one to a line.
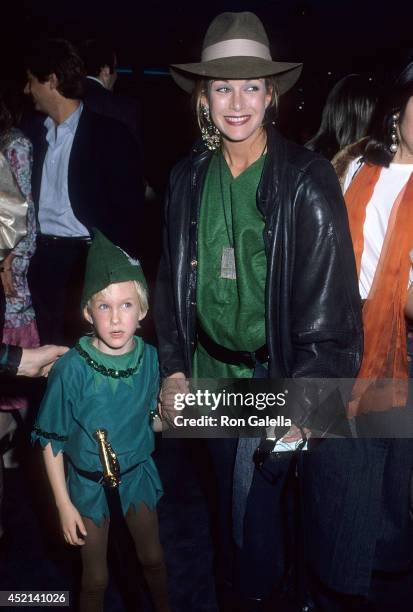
(378,186)
(346,116)
(19,326)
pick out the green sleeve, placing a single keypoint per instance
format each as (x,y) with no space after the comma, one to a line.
(52,423)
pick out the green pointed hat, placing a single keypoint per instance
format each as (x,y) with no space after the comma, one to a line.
(107,264)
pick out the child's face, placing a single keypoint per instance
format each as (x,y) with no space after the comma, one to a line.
(115,315)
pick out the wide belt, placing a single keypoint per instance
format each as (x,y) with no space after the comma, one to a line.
(49,240)
(221,353)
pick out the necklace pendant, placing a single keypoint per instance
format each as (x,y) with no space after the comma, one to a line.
(228,269)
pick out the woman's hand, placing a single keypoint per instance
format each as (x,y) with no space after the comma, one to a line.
(39,361)
(294,434)
(171,386)
(6,276)
(71,522)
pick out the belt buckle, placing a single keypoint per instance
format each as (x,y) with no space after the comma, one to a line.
(249,359)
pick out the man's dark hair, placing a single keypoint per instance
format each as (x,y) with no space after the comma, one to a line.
(378,148)
(60,57)
(96,54)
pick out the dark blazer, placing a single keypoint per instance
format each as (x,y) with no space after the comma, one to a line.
(105,178)
(122,108)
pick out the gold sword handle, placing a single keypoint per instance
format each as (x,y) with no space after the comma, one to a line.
(108,459)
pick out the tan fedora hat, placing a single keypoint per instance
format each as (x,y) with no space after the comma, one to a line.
(236,47)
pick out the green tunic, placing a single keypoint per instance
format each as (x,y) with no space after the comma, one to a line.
(79,400)
(231,310)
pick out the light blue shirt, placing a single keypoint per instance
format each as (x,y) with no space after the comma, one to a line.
(56,216)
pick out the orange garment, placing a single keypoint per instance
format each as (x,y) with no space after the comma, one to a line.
(385,355)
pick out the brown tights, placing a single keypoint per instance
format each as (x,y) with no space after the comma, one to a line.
(143,527)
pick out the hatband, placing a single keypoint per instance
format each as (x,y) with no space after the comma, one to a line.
(236,46)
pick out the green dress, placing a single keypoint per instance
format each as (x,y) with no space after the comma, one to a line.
(79,400)
(230,303)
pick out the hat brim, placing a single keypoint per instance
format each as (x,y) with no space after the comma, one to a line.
(239,67)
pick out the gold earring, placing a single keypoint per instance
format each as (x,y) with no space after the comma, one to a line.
(210,133)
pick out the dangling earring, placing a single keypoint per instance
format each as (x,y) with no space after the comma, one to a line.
(210,133)
(393,135)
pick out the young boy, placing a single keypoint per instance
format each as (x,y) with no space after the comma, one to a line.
(108,382)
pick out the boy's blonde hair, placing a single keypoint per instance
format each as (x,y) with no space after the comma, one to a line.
(142,294)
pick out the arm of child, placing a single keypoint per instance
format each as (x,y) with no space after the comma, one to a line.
(70,519)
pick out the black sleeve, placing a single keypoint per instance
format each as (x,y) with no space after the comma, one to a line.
(10,357)
(326,323)
(171,356)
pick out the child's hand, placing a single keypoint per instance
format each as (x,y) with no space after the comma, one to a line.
(71,523)
(171,386)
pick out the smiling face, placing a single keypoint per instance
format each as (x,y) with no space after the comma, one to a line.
(115,314)
(237,107)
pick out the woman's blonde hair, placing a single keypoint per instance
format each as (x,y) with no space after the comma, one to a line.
(142,294)
(201,90)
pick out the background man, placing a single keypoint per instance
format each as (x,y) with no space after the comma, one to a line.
(87,172)
(100,61)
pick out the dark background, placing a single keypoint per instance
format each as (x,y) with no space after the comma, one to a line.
(332,39)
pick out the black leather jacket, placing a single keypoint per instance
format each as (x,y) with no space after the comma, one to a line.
(313,315)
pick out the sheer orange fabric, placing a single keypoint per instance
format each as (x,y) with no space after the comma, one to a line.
(385,355)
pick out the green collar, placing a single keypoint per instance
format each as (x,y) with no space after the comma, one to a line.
(114,368)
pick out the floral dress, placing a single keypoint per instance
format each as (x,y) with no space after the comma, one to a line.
(20,325)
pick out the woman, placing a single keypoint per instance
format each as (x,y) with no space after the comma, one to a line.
(19,325)
(379,194)
(346,116)
(13,359)
(257,257)
(378,187)
(19,319)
